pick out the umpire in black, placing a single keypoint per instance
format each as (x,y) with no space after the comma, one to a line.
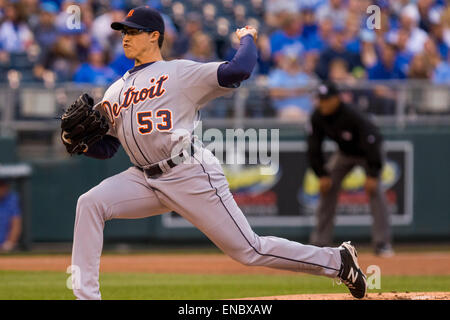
(359,143)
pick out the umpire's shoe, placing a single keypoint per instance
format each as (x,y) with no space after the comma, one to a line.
(350,274)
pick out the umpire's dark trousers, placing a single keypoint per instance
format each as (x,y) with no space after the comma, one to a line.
(339,166)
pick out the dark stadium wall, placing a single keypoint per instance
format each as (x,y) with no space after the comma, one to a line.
(56,185)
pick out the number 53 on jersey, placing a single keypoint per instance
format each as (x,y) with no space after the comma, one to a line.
(146,121)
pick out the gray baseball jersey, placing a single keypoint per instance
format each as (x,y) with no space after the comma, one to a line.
(145,108)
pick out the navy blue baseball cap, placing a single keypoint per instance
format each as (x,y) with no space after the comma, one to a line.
(142,18)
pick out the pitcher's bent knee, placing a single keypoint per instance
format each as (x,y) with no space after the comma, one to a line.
(247,256)
(85,200)
(250,258)
(89,204)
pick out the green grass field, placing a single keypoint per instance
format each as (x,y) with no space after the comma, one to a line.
(52,285)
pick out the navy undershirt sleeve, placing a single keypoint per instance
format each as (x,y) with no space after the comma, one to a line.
(231,74)
(104,149)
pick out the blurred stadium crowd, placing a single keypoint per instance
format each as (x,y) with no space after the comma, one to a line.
(299,41)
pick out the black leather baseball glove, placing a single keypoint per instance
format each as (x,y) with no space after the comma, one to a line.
(81,126)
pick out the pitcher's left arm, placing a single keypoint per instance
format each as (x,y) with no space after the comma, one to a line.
(231,74)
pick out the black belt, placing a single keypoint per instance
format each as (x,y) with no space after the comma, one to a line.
(155,169)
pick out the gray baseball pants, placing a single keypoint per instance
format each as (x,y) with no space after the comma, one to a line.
(199,192)
(339,166)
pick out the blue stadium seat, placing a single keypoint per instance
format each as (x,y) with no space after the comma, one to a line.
(26,75)
(3,73)
(20,60)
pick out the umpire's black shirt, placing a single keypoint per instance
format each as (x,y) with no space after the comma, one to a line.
(354,134)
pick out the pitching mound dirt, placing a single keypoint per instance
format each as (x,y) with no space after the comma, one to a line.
(370,296)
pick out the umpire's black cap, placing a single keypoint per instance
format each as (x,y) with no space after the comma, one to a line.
(327,89)
(142,18)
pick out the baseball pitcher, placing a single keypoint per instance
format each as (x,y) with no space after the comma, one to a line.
(144,112)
